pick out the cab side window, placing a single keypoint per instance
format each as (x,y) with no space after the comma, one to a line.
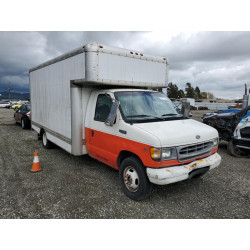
(103,106)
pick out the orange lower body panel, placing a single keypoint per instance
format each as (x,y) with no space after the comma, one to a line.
(106,148)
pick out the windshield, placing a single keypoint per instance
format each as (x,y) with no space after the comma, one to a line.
(141,106)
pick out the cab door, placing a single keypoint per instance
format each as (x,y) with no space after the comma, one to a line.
(102,138)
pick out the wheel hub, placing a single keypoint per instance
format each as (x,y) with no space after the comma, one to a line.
(44,139)
(131,179)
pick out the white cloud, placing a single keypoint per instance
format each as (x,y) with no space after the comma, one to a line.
(215,61)
(160,36)
(16,80)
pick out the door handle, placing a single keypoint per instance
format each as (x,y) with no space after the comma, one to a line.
(123,131)
(92,133)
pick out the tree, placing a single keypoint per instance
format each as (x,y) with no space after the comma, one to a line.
(172,90)
(203,95)
(181,94)
(189,91)
(197,93)
(207,95)
(210,95)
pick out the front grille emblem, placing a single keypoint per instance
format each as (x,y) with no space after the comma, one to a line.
(198,137)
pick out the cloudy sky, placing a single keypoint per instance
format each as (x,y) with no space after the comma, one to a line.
(218,62)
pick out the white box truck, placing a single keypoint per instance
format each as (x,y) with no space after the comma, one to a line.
(97,100)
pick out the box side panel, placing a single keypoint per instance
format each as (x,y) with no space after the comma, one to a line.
(62,144)
(113,68)
(50,94)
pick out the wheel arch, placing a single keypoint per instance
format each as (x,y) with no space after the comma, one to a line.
(42,130)
(40,134)
(125,154)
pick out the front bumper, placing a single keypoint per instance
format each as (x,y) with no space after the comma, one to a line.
(242,142)
(167,175)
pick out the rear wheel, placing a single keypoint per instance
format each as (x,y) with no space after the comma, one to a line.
(46,143)
(24,124)
(134,180)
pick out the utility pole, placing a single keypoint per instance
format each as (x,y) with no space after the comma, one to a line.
(245,98)
(9,91)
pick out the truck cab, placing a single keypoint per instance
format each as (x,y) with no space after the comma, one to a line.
(148,140)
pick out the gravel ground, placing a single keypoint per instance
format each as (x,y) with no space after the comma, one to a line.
(81,187)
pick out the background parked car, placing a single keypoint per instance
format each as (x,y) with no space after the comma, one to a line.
(229,130)
(16,105)
(4,104)
(9,105)
(23,116)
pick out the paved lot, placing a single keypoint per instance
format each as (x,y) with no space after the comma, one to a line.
(81,187)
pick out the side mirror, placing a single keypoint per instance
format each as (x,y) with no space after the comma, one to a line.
(112,114)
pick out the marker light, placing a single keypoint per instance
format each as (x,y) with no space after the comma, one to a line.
(155,153)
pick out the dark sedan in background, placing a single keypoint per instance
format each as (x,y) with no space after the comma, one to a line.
(23,116)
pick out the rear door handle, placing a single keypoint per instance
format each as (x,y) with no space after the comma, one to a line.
(92,133)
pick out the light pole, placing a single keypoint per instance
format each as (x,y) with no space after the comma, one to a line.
(9,91)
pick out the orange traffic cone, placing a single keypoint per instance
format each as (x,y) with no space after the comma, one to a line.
(36,164)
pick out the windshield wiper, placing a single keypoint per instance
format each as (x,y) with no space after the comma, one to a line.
(170,114)
(137,116)
(156,117)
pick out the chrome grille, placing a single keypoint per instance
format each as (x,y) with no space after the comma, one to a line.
(193,151)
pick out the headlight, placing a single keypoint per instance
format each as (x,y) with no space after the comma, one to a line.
(163,154)
(215,142)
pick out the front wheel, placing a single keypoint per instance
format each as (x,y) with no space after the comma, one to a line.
(233,150)
(134,180)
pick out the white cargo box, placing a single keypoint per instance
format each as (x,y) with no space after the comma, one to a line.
(101,64)
(53,95)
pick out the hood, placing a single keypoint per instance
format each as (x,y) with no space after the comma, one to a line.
(226,116)
(179,132)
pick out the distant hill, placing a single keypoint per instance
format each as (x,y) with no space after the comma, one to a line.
(14,95)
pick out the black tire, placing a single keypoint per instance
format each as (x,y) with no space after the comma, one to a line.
(134,180)
(24,124)
(233,150)
(45,142)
